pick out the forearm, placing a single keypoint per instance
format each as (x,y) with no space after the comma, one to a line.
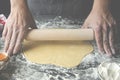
(21,4)
(101,4)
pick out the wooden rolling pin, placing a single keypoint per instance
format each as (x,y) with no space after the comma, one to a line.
(59,34)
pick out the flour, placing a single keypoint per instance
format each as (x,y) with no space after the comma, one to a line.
(110,70)
(59,22)
(19,68)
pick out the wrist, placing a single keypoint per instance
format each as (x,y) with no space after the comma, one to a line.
(101,5)
(18,4)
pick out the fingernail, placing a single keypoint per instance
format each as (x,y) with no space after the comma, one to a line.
(7,52)
(109,55)
(14,52)
(101,52)
(2,39)
(113,51)
(4,50)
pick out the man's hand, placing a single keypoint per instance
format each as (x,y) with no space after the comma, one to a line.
(16,27)
(104,26)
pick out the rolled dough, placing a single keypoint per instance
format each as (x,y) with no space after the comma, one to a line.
(61,53)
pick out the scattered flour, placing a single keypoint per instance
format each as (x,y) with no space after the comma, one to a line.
(19,68)
(110,70)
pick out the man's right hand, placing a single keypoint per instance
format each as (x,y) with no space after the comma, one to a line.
(104,26)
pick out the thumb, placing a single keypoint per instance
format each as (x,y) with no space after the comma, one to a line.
(84,25)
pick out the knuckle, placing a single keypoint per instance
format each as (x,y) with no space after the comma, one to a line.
(10,30)
(114,23)
(12,44)
(10,48)
(98,23)
(6,25)
(18,43)
(101,50)
(111,40)
(105,29)
(97,28)
(18,27)
(110,25)
(17,49)
(8,39)
(22,29)
(10,27)
(17,31)
(111,46)
(105,42)
(7,43)
(99,40)
(3,34)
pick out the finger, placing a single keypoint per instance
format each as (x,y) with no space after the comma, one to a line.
(34,26)
(4,32)
(112,40)
(7,39)
(98,38)
(13,41)
(117,30)
(116,38)
(106,40)
(18,42)
(84,25)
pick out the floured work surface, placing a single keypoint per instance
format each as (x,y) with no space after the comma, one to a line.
(65,53)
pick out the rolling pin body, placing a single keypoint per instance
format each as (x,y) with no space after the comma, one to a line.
(59,34)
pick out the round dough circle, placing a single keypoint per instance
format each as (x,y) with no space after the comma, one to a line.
(61,53)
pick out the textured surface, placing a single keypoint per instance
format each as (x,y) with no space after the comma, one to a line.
(21,69)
